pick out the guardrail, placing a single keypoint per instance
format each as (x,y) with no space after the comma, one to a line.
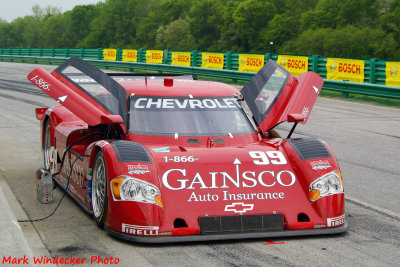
(92,55)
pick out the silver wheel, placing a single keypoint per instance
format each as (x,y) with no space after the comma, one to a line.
(46,146)
(99,189)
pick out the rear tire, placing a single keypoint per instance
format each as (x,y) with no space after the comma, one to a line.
(46,146)
(99,190)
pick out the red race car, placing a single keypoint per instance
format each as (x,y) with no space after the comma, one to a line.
(171,159)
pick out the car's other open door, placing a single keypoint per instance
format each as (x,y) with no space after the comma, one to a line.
(85,90)
(274,96)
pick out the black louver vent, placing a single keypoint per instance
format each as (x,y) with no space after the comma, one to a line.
(241,223)
(128,151)
(308,148)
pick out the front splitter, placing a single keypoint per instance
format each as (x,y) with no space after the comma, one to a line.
(209,237)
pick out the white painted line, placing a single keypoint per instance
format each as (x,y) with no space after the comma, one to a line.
(373,207)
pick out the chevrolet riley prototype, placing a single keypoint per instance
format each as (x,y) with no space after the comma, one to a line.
(170,159)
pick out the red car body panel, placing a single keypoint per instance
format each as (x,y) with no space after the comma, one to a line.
(205,182)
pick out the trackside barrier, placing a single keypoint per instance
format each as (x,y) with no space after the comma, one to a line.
(95,57)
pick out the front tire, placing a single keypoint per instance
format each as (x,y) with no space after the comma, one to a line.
(99,190)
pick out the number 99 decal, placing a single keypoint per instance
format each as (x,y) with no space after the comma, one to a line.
(269,157)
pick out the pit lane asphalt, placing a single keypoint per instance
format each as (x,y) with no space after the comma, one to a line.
(364,138)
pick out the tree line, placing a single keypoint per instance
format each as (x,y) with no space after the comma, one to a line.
(336,28)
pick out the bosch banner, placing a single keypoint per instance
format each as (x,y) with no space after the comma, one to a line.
(129,55)
(212,60)
(110,54)
(250,63)
(154,56)
(181,58)
(296,65)
(392,74)
(345,69)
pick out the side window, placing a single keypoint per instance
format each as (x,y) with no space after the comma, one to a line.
(270,91)
(263,90)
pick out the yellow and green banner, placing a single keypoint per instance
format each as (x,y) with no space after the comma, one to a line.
(345,69)
(296,65)
(250,63)
(110,54)
(392,74)
(212,60)
(129,55)
(181,58)
(154,56)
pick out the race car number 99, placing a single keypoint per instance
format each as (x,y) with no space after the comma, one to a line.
(41,83)
(265,158)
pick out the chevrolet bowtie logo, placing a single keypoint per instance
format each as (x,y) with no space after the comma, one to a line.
(239,207)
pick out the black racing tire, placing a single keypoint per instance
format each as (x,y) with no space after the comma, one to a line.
(99,190)
(46,146)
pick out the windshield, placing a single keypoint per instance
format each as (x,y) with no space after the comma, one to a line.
(187,116)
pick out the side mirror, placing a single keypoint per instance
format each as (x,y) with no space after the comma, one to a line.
(111,119)
(295,117)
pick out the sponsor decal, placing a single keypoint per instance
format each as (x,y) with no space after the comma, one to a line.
(345,69)
(161,149)
(332,222)
(129,55)
(212,60)
(138,169)
(185,103)
(239,207)
(181,58)
(154,56)
(306,111)
(320,165)
(110,54)
(250,63)
(392,74)
(183,159)
(296,65)
(177,179)
(140,230)
(71,167)
(52,160)
(226,196)
(42,84)
(89,176)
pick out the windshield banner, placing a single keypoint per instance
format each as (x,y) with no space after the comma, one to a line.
(129,55)
(294,64)
(392,74)
(345,69)
(110,54)
(212,60)
(184,103)
(250,63)
(180,58)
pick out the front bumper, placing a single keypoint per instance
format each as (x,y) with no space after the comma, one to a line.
(193,238)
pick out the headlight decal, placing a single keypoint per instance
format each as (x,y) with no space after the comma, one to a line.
(125,188)
(326,185)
